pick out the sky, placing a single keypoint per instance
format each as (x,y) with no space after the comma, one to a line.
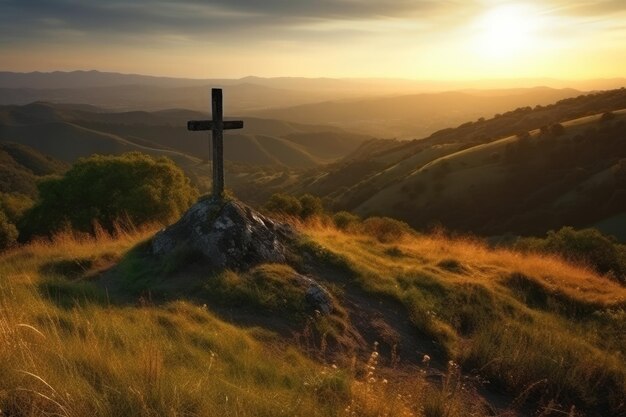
(414,39)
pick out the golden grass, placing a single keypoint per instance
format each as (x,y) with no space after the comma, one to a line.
(483,265)
(529,323)
(66,349)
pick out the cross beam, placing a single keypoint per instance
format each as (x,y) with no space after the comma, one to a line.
(217,126)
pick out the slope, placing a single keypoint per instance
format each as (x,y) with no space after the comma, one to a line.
(170,337)
(69,132)
(519,184)
(380,177)
(21,167)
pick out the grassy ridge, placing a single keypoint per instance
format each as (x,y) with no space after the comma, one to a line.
(533,325)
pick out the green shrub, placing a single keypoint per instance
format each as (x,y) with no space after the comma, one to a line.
(311,206)
(15,205)
(284,204)
(586,246)
(133,187)
(345,220)
(386,229)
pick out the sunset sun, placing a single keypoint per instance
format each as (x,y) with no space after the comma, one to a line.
(507,32)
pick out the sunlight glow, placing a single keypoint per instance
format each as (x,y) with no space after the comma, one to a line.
(507,32)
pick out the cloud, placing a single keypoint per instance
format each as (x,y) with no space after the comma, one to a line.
(23,21)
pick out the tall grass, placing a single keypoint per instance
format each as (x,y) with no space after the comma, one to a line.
(533,325)
(67,348)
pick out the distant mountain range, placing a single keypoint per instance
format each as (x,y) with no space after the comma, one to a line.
(383,108)
(87,79)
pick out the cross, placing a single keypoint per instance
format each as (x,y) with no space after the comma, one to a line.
(217,126)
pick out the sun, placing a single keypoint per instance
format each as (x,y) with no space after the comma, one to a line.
(507,31)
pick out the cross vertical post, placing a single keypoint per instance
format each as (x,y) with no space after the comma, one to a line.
(218,143)
(216,125)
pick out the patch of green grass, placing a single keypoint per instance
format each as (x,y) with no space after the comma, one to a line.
(271,288)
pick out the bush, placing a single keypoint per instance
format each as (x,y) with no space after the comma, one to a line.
(386,229)
(8,232)
(311,206)
(15,205)
(132,187)
(284,204)
(345,220)
(587,246)
(304,207)
(557,129)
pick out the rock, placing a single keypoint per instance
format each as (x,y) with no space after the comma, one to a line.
(228,233)
(316,296)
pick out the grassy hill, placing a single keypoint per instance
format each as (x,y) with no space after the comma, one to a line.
(508,174)
(93,327)
(21,167)
(68,132)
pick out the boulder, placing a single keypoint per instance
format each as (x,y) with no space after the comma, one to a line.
(228,233)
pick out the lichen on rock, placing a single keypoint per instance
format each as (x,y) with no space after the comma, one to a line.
(228,233)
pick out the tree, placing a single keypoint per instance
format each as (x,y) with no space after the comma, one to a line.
(557,129)
(284,204)
(311,206)
(105,189)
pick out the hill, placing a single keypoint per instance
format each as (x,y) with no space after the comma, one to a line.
(68,132)
(507,174)
(98,327)
(21,166)
(410,116)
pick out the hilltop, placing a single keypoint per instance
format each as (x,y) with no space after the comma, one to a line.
(95,326)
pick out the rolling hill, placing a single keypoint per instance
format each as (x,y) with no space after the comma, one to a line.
(21,167)
(417,115)
(477,177)
(67,132)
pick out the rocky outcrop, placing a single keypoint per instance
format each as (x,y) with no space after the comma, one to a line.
(228,233)
(317,297)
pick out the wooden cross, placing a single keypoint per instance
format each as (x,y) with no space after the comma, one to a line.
(217,126)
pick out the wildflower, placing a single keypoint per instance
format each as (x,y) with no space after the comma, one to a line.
(374,354)
(426,360)
(334,366)
(371,380)
(385,381)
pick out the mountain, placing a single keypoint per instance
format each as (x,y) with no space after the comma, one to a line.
(416,115)
(514,173)
(86,79)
